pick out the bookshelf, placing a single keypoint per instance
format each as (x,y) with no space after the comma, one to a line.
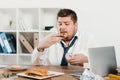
(28,27)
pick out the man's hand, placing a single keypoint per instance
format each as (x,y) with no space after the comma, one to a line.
(78,59)
(48,41)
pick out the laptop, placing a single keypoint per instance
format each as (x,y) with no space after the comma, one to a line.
(102,60)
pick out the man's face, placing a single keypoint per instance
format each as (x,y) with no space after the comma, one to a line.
(66,27)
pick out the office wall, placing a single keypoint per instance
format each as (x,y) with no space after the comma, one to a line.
(99,17)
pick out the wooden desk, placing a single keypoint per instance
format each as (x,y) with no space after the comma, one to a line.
(67,70)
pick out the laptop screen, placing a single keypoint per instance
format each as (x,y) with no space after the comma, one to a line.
(102,60)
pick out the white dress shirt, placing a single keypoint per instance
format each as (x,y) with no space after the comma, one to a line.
(53,55)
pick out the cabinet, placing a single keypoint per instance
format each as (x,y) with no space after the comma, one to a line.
(30,23)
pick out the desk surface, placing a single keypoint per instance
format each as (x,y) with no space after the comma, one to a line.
(67,70)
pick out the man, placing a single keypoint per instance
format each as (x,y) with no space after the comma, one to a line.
(53,49)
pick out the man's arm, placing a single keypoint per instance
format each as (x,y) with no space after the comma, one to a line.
(36,57)
(39,52)
(48,41)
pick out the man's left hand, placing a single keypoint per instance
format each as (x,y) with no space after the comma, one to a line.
(78,59)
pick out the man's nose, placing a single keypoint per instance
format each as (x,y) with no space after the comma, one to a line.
(62,26)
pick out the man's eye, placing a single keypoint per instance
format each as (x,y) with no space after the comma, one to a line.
(66,24)
(60,24)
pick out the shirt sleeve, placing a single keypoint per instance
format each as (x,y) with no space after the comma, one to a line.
(37,57)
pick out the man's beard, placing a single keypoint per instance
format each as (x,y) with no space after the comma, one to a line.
(66,39)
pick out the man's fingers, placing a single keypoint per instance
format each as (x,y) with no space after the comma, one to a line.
(74,63)
(56,35)
(72,60)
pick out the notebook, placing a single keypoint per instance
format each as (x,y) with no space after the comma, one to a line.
(102,60)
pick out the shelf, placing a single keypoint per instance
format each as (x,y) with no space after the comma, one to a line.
(47,31)
(28,25)
(7,31)
(28,30)
(24,60)
(8,59)
(24,54)
(1,54)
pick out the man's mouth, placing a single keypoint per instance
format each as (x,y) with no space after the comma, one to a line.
(62,34)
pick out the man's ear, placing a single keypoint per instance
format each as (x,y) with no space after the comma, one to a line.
(76,25)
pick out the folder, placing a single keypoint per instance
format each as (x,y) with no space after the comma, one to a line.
(12,42)
(6,46)
(36,39)
(1,51)
(2,46)
(25,43)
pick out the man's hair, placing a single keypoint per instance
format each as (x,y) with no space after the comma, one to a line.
(66,13)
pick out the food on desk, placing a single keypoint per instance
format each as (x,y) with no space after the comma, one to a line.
(17,67)
(37,72)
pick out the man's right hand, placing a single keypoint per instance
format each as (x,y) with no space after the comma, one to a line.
(48,41)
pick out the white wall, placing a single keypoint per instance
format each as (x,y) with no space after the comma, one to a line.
(99,17)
